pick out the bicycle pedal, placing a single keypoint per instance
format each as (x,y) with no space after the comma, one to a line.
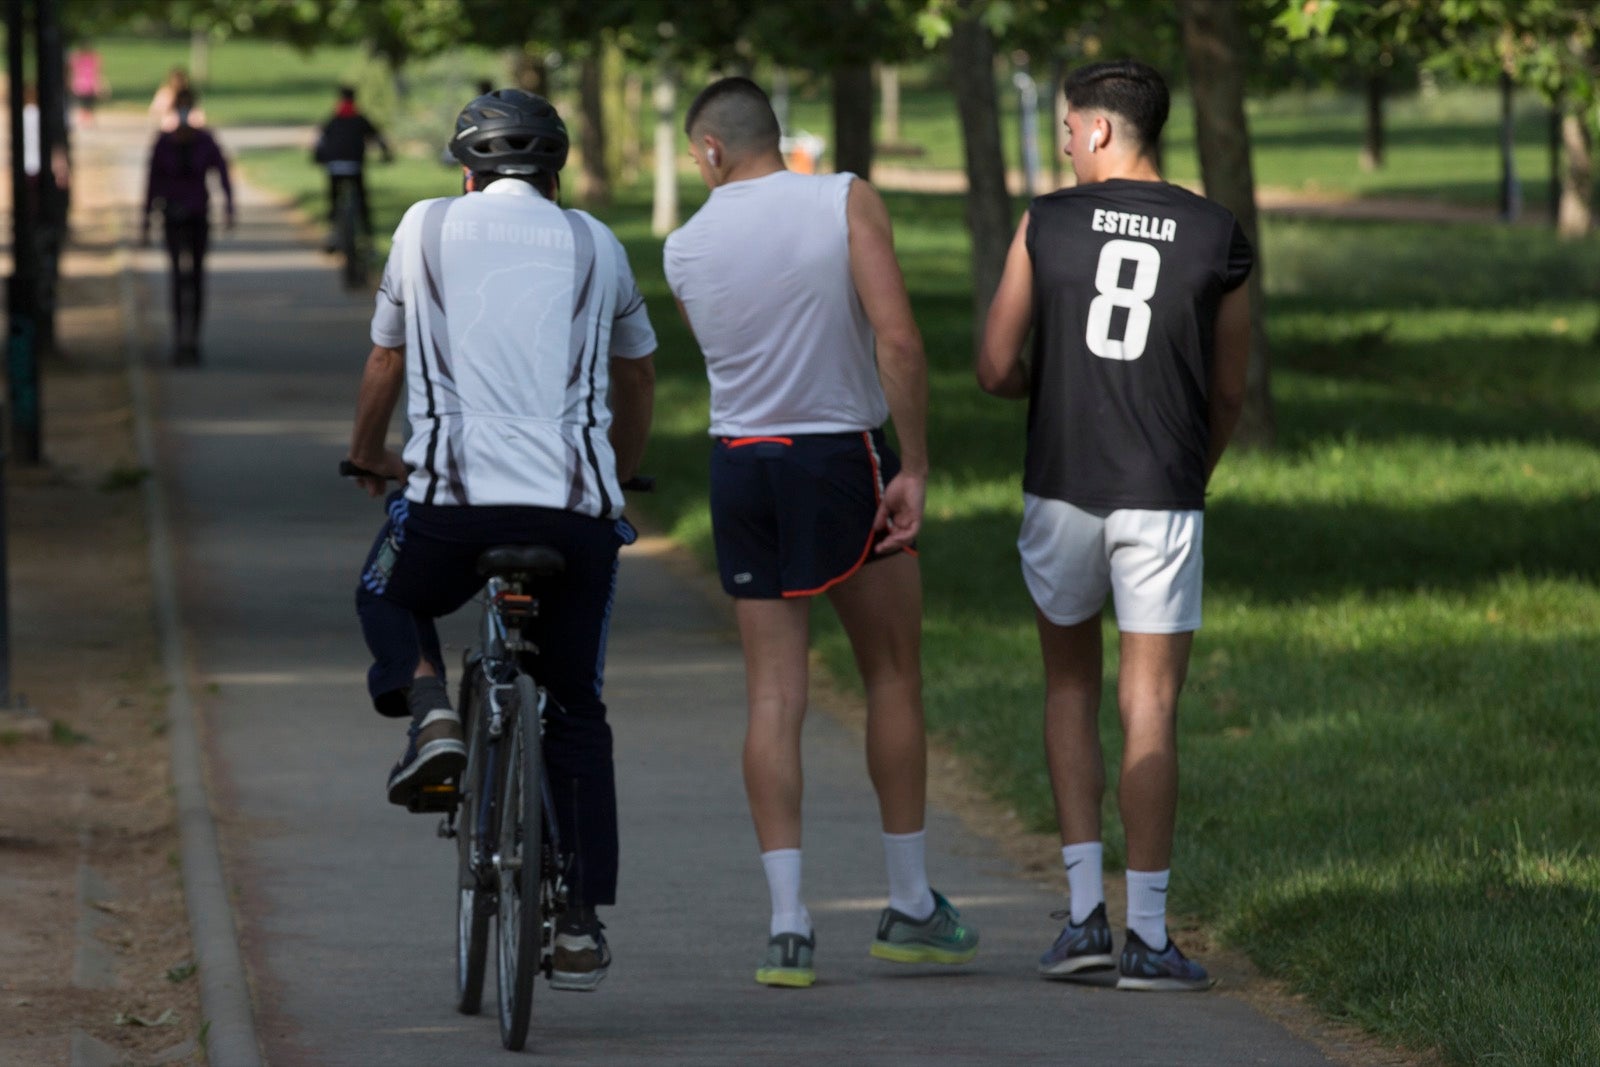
(442,797)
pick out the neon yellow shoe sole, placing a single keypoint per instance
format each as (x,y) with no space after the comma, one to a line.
(921,953)
(787,977)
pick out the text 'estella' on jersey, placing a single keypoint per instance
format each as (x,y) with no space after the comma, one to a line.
(1128,224)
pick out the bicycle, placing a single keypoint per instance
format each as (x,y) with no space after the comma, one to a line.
(500,812)
(350,240)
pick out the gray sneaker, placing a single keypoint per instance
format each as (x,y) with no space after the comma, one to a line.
(581,956)
(788,961)
(434,755)
(940,938)
(1085,947)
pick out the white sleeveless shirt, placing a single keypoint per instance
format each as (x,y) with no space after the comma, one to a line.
(763,270)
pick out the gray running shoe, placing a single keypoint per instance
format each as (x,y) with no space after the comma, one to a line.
(940,938)
(1085,947)
(434,755)
(581,957)
(1167,971)
(788,961)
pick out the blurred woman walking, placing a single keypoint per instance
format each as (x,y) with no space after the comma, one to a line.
(180,164)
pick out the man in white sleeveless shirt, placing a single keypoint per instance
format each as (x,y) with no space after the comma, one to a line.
(786,281)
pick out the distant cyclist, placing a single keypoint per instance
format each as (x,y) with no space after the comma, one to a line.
(342,150)
(518,335)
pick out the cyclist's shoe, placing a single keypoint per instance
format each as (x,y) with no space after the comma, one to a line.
(1167,971)
(940,938)
(788,961)
(434,755)
(1082,946)
(581,955)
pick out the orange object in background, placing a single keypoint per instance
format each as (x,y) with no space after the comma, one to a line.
(801,161)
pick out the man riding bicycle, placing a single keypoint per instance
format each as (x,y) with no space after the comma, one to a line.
(342,151)
(517,331)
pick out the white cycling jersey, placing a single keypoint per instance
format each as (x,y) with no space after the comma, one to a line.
(510,309)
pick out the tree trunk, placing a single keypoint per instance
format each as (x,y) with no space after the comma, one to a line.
(852,119)
(889,93)
(528,70)
(988,203)
(664,213)
(632,144)
(1213,44)
(1372,143)
(594,186)
(1058,108)
(1510,187)
(1577,177)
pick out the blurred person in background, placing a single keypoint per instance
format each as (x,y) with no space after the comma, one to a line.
(342,151)
(87,81)
(163,105)
(181,163)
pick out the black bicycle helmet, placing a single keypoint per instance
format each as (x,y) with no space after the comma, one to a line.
(510,131)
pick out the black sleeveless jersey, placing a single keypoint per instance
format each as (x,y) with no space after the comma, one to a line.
(1127,277)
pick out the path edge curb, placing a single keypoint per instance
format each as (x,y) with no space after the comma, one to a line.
(228,1033)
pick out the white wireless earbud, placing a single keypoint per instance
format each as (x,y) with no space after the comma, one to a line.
(1094,141)
(711,156)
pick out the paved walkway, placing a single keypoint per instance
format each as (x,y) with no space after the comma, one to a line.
(346,904)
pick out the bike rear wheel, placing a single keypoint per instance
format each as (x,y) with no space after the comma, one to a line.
(352,246)
(474,841)
(520,922)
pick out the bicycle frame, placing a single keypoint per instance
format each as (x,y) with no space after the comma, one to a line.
(500,642)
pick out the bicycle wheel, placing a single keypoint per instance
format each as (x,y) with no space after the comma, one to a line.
(521,831)
(352,251)
(474,816)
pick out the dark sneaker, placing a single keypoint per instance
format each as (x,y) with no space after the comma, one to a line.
(1085,947)
(940,938)
(1167,971)
(582,956)
(788,961)
(434,755)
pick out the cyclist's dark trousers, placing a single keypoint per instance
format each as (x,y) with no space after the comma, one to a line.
(358,184)
(187,239)
(423,566)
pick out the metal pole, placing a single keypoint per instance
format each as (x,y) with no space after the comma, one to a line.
(22,293)
(50,79)
(1028,114)
(15,302)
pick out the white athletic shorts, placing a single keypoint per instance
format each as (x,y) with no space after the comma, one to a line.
(1149,561)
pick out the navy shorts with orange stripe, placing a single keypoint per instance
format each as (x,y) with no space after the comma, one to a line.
(792,515)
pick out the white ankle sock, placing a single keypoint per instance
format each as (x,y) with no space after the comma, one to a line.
(1147,906)
(1085,878)
(904,855)
(789,915)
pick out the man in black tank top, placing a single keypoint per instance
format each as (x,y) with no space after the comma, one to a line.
(1133,290)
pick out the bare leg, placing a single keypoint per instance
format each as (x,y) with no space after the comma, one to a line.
(1072,669)
(1149,679)
(775,635)
(881,609)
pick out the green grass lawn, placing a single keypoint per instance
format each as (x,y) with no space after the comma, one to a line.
(1389,738)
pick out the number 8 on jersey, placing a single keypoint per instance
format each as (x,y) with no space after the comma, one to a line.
(1108,283)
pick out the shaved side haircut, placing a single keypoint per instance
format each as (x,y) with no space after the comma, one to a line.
(1132,90)
(737,112)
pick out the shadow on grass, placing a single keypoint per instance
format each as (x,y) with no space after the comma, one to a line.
(1465,959)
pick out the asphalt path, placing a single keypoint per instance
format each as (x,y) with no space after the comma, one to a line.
(345,904)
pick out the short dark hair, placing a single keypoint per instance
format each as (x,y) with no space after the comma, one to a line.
(347,92)
(1125,87)
(738,111)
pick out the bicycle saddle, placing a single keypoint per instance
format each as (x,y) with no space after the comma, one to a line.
(536,561)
